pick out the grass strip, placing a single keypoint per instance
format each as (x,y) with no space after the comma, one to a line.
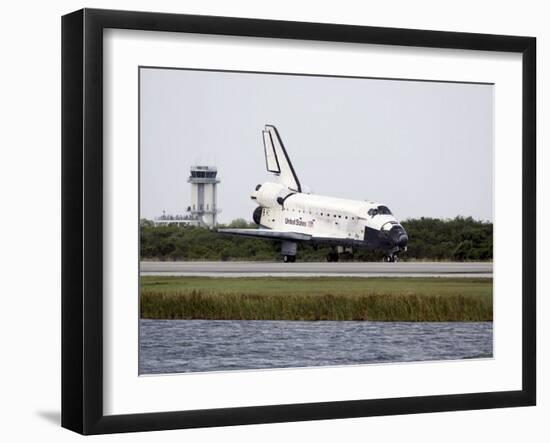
(317,299)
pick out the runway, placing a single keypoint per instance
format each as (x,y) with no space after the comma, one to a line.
(343,269)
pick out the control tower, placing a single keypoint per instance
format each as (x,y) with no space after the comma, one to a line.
(203,193)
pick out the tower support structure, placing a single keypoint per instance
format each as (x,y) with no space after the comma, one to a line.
(203,180)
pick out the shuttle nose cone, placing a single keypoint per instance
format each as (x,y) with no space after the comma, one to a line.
(403,240)
(399,236)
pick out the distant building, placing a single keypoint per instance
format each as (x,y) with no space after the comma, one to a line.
(180,220)
(204,194)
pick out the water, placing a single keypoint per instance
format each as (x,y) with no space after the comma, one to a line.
(171,346)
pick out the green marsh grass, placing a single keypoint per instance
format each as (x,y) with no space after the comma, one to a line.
(322,298)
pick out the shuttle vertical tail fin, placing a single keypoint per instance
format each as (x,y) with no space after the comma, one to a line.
(277,160)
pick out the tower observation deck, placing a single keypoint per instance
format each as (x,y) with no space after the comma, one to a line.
(204,194)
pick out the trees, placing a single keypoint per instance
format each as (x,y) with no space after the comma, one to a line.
(196,243)
(454,239)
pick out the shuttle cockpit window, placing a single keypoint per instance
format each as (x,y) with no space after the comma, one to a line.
(382,210)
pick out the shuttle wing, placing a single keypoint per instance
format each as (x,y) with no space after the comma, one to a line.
(277,160)
(289,236)
(267,233)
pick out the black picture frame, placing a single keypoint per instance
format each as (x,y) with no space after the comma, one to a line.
(82,218)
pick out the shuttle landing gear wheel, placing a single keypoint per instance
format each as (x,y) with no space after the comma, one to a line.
(391,258)
(289,258)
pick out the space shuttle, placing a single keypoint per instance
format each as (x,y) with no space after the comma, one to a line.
(288,214)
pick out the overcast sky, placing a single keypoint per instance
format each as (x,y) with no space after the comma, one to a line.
(422,148)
